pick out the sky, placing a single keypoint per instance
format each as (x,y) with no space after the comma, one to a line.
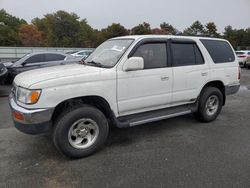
(129,13)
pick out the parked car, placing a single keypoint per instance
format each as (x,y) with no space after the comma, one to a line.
(126,81)
(83,53)
(37,60)
(243,57)
(72,52)
(3,73)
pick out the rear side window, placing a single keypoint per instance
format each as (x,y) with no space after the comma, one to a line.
(153,54)
(186,54)
(220,51)
(54,57)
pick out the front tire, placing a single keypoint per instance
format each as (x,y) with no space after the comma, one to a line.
(210,104)
(80,132)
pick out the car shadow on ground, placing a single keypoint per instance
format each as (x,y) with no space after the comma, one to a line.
(120,138)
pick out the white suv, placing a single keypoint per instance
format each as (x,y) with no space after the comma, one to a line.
(126,81)
(244,58)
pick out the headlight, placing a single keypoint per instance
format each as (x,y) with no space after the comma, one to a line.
(27,96)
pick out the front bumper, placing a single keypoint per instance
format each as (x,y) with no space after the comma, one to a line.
(30,121)
(232,89)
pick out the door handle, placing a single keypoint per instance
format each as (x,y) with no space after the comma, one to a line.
(164,78)
(204,74)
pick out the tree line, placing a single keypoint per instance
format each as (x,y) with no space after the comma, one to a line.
(63,29)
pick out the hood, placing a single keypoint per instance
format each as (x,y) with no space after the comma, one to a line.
(32,77)
(8,64)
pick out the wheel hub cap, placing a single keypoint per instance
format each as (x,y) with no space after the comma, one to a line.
(83,133)
(212,105)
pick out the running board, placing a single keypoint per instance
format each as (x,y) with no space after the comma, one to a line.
(139,122)
(152,116)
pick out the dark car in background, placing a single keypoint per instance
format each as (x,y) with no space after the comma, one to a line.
(37,60)
(3,73)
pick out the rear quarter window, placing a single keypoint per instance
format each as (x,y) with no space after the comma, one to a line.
(220,51)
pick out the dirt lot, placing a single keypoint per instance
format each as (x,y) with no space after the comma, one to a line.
(179,152)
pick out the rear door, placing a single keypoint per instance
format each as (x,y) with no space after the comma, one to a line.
(190,71)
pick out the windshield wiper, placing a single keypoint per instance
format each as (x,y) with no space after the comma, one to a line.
(95,64)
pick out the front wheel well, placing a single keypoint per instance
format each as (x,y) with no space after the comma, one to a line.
(218,84)
(95,101)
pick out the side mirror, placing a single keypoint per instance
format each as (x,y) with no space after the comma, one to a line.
(134,63)
(24,63)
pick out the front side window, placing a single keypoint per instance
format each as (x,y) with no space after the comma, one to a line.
(153,54)
(186,54)
(36,59)
(54,57)
(109,52)
(220,51)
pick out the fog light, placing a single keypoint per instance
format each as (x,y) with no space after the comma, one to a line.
(18,116)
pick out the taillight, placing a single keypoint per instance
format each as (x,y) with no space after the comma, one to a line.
(242,56)
(239,73)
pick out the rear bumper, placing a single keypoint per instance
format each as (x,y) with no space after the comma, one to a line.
(30,121)
(232,89)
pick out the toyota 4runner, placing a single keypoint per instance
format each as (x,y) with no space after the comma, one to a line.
(126,81)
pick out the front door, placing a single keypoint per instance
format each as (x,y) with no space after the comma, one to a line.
(147,89)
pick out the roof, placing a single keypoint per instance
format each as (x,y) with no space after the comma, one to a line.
(136,37)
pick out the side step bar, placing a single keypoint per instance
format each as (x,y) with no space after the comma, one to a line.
(140,122)
(156,115)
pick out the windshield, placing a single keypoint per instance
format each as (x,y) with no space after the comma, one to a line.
(20,61)
(109,52)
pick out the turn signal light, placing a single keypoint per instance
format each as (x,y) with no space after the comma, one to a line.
(18,116)
(34,96)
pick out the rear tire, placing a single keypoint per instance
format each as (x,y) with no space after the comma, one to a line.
(80,131)
(210,104)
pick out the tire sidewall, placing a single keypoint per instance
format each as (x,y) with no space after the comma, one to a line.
(67,119)
(209,91)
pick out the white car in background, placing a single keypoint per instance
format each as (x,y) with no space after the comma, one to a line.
(244,58)
(83,53)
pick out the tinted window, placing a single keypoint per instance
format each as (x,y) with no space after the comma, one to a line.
(54,57)
(220,51)
(81,53)
(186,54)
(36,59)
(198,56)
(248,53)
(154,55)
(240,53)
